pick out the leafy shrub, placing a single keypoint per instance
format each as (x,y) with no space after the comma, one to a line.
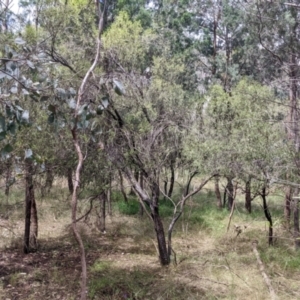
(128,208)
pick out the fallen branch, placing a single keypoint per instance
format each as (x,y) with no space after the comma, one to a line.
(262,270)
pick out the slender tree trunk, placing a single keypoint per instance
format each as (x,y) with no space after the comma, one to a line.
(160,236)
(217,192)
(217,15)
(287,206)
(165,188)
(296,219)
(141,210)
(267,215)
(74,131)
(187,189)
(227,78)
(229,189)
(248,198)
(34,222)
(74,214)
(70,180)
(122,187)
(172,180)
(108,196)
(158,226)
(225,197)
(102,199)
(28,204)
(31,220)
(294,131)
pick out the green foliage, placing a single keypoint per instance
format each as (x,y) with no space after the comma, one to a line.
(129,208)
(136,11)
(127,42)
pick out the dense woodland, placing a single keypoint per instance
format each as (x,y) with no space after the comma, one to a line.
(156,102)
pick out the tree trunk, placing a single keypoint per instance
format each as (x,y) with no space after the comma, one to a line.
(74,215)
(287,206)
(108,197)
(70,180)
(102,199)
(34,222)
(187,190)
(296,219)
(268,216)
(122,187)
(217,15)
(217,192)
(76,142)
(172,180)
(160,236)
(229,189)
(225,197)
(31,220)
(158,226)
(248,199)
(141,210)
(26,248)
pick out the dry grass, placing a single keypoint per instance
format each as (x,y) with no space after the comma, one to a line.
(123,263)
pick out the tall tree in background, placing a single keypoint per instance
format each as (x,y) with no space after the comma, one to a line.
(280,45)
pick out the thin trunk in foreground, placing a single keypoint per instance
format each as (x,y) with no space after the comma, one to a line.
(31,219)
(28,203)
(74,216)
(267,215)
(296,230)
(81,91)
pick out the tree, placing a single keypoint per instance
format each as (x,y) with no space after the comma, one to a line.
(280,46)
(146,132)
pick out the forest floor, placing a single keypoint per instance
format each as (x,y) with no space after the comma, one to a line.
(123,263)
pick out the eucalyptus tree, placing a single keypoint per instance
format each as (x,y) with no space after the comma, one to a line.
(147,113)
(22,78)
(239,132)
(279,43)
